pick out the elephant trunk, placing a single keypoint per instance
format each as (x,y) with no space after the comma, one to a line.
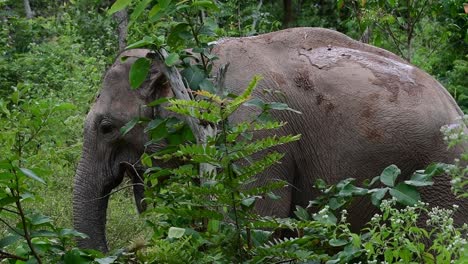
(90,200)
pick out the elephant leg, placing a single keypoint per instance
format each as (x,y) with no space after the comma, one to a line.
(285,172)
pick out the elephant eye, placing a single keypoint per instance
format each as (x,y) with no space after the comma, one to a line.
(106,128)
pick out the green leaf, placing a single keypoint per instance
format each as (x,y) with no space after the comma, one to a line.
(301,213)
(139,9)
(327,219)
(164,3)
(248,202)
(335,242)
(281,106)
(377,195)
(32,175)
(159,101)
(389,175)
(213,226)
(139,71)
(118,5)
(40,219)
(75,256)
(106,260)
(419,180)
(175,232)
(5,164)
(145,42)
(127,127)
(8,240)
(7,200)
(256,102)
(172,59)
(71,232)
(210,5)
(64,106)
(193,75)
(405,194)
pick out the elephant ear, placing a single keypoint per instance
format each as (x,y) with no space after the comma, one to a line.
(155,86)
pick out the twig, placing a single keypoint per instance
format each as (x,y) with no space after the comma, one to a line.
(6,255)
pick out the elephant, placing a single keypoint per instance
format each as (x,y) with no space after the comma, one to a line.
(363,108)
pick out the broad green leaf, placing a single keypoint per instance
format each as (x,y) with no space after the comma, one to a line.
(106,260)
(71,232)
(32,175)
(335,242)
(7,200)
(175,232)
(138,10)
(159,101)
(118,5)
(208,86)
(139,71)
(213,226)
(419,180)
(172,59)
(164,3)
(405,194)
(435,169)
(146,160)
(260,237)
(389,175)
(210,5)
(248,202)
(193,75)
(127,127)
(40,219)
(328,219)
(301,213)
(377,195)
(145,42)
(8,240)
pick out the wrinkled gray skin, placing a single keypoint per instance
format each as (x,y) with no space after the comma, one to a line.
(363,108)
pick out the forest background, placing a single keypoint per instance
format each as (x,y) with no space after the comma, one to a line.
(53,55)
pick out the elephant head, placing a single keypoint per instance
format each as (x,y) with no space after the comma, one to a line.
(107,154)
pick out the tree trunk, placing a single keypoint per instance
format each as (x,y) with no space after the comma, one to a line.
(27,9)
(288,13)
(122,20)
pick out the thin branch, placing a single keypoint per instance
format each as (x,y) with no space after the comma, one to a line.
(6,255)
(27,236)
(116,190)
(11,228)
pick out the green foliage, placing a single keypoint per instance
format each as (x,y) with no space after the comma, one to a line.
(395,235)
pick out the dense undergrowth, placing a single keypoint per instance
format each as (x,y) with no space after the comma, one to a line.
(50,71)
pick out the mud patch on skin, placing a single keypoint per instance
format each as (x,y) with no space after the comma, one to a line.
(302,80)
(389,74)
(319,98)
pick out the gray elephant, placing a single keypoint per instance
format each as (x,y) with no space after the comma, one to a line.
(363,108)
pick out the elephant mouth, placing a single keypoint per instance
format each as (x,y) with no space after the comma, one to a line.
(135,173)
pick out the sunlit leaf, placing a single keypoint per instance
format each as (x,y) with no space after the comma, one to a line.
(405,194)
(175,232)
(389,175)
(32,175)
(118,5)
(138,72)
